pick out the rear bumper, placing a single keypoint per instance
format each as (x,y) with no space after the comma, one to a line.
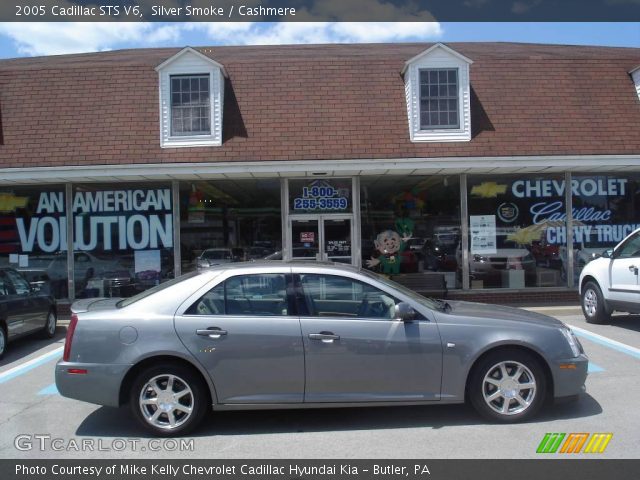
(569,376)
(100,385)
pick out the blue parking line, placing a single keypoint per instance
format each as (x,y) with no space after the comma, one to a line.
(30,365)
(593,368)
(607,342)
(50,390)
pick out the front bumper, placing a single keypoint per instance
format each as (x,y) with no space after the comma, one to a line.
(569,376)
(100,385)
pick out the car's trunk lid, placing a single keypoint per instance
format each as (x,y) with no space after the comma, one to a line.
(92,304)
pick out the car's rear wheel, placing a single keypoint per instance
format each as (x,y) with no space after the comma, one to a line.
(168,400)
(49,329)
(508,386)
(594,307)
(3,340)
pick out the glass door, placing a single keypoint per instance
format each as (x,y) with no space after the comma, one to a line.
(305,239)
(322,237)
(337,239)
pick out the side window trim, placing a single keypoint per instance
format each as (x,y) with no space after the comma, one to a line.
(224,283)
(618,253)
(301,297)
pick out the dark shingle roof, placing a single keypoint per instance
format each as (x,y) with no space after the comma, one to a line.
(319,102)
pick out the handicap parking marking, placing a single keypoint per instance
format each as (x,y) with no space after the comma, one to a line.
(50,390)
(606,342)
(30,365)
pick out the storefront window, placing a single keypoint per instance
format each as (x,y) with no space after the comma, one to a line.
(224,221)
(411,224)
(517,231)
(606,208)
(33,236)
(123,238)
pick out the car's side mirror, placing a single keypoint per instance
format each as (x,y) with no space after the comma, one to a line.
(608,253)
(404,312)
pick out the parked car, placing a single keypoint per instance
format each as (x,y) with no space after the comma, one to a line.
(489,267)
(214,256)
(439,257)
(610,282)
(86,267)
(24,309)
(583,253)
(298,334)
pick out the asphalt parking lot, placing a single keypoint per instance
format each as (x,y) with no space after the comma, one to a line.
(50,426)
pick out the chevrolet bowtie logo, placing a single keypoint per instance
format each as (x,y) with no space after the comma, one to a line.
(488,190)
(9,202)
(573,443)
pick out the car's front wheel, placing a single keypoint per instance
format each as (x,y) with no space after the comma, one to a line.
(594,307)
(168,400)
(508,386)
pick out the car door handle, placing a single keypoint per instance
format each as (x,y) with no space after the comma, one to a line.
(633,268)
(326,337)
(211,332)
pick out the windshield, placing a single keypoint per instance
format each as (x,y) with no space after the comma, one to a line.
(430,303)
(216,254)
(157,288)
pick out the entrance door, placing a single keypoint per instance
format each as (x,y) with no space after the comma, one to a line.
(322,237)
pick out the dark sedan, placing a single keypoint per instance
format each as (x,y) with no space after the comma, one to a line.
(24,309)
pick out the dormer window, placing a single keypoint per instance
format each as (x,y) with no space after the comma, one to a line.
(438,96)
(190,105)
(635,76)
(191,100)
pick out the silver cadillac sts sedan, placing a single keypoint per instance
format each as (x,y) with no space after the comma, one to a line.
(300,335)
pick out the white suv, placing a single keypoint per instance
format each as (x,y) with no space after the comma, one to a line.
(611,282)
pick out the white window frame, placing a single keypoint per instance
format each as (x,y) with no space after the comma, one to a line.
(438,56)
(635,76)
(191,62)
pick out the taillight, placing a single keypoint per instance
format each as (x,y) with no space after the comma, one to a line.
(67,341)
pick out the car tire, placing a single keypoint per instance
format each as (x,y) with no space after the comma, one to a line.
(178,414)
(49,329)
(3,340)
(594,306)
(512,376)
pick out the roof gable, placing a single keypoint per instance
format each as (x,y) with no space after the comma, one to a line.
(433,48)
(190,51)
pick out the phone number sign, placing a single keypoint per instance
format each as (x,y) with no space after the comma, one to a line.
(322,198)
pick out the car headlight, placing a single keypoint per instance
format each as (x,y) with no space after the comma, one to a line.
(572,340)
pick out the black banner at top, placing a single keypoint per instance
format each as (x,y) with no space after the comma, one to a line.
(321,10)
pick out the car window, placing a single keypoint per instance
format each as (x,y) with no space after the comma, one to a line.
(217,255)
(631,248)
(6,288)
(82,258)
(336,296)
(20,285)
(158,288)
(259,295)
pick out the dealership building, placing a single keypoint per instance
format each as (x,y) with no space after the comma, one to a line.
(499,168)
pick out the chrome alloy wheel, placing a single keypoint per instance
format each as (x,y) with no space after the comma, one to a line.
(166,401)
(590,302)
(3,340)
(509,388)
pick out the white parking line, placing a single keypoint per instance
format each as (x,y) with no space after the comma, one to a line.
(30,364)
(606,341)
